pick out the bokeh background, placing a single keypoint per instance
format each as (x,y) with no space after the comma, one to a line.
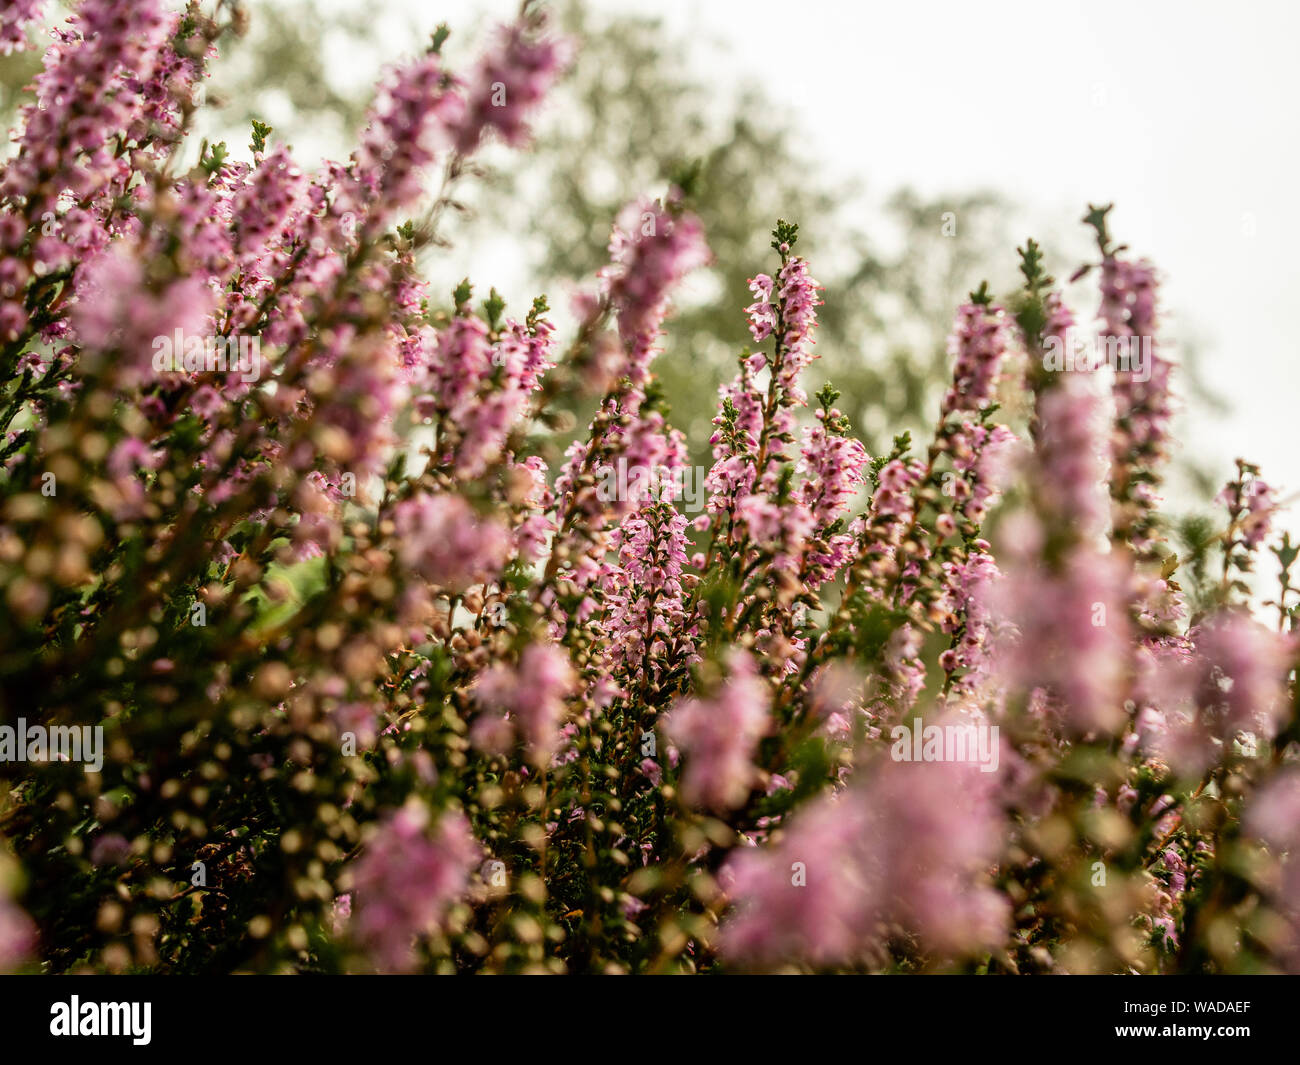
(872,125)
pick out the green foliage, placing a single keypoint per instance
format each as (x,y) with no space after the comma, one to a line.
(260,132)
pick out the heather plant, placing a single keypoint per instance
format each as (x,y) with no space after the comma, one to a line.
(313,659)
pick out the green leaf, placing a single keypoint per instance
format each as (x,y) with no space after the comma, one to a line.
(492,307)
(260,132)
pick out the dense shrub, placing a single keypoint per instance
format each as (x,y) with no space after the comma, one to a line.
(358,682)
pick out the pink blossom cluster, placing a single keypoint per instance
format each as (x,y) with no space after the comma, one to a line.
(444,541)
(718,735)
(907,848)
(647,625)
(511,78)
(15,20)
(787,308)
(409,875)
(528,700)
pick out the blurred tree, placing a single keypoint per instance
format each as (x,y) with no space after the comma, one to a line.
(16,72)
(306,70)
(630,116)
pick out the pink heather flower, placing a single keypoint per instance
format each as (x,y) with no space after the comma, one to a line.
(1274,817)
(782,528)
(902,674)
(409,123)
(1074,429)
(892,507)
(719,736)
(1260,508)
(1168,895)
(835,691)
(790,304)
(340,913)
(1244,670)
(1168,725)
(1196,695)
(117,312)
(651,455)
(1274,813)
(445,542)
(893,498)
(834,469)
(171,87)
(644,600)
(631,441)
(267,205)
(532,695)
(1113,313)
(762,517)
(519,359)
(318,529)
(908,843)
(737,428)
(511,79)
(128,456)
(480,391)
(809,896)
(90,87)
(988,469)
(360,720)
(16,18)
(968,588)
(826,559)
(364,394)
(459,361)
(651,250)
(761,313)
(203,215)
(745,427)
(1070,634)
(977,344)
(798,301)
(1160,606)
(1143,408)
(534,498)
(405,879)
